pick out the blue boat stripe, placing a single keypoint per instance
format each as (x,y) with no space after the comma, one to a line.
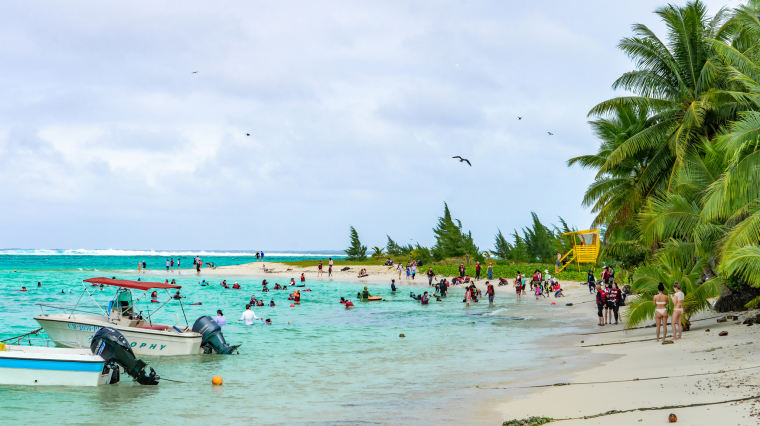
(40,364)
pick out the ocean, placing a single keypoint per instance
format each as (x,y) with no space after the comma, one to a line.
(318,363)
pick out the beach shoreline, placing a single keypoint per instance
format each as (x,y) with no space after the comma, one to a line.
(623,369)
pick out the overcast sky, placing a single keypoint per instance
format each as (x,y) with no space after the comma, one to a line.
(108,139)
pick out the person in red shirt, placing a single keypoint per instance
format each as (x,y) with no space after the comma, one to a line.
(600,303)
(490,291)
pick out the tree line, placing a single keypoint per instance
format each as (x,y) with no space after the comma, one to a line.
(534,243)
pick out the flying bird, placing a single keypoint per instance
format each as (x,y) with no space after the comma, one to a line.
(195,72)
(248,134)
(519,118)
(463,160)
(550,133)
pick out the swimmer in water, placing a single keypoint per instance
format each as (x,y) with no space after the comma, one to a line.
(23,288)
(39,284)
(393,286)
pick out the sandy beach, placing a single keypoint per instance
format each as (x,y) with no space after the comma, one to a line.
(625,370)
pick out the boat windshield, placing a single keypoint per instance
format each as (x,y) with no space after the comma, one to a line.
(124,301)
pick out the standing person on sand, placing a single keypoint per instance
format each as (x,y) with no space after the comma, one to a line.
(490,291)
(399,268)
(609,303)
(600,303)
(477,270)
(677,299)
(430,275)
(319,270)
(591,281)
(414,269)
(661,311)
(329,267)
(489,271)
(556,264)
(461,270)
(613,298)
(518,285)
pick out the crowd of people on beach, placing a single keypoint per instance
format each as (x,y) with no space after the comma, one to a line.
(609,294)
(171,264)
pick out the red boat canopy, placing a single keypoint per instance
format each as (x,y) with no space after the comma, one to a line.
(137,285)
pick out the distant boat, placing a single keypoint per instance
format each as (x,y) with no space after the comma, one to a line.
(75,329)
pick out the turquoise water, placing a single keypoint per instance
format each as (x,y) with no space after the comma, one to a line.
(316,363)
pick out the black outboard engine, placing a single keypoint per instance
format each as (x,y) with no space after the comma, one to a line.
(113,347)
(212,336)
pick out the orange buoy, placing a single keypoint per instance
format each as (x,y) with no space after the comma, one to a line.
(216,381)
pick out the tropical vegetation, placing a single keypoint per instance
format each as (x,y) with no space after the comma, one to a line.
(677,189)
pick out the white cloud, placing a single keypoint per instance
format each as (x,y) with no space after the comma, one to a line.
(354,109)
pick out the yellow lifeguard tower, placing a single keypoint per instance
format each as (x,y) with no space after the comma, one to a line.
(585,248)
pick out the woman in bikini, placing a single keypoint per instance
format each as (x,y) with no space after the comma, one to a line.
(677,299)
(661,311)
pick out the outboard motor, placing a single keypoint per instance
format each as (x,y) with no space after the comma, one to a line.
(113,347)
(212,336)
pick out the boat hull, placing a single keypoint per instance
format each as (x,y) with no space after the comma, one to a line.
(51,367)
(76,331)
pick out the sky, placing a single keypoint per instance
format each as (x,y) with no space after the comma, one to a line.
(108,139)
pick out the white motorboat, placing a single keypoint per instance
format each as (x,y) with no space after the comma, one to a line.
(75,329)
(52,366)
(40,366)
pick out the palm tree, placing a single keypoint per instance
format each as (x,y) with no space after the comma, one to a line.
(616,195)
(734,198)
(673,80)
(377,252)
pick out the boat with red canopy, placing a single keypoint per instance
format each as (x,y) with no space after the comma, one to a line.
(76,325)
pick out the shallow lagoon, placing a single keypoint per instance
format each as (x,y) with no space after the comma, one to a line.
(317,363)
